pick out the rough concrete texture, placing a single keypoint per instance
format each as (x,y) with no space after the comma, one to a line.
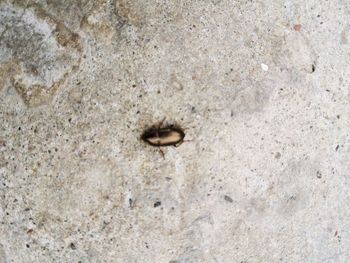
(260,87)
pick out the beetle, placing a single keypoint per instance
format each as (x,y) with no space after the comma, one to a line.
(166,136)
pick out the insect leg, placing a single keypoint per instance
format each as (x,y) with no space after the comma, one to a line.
(181,142)
(161,122)
(161,152)
(177,145)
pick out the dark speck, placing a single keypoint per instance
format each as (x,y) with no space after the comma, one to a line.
(19,128)
(338,116)
(228,199)
(318,175)
(27,245)
(278,155)
(313,68)
(72,246)
(337,148)
(158,203)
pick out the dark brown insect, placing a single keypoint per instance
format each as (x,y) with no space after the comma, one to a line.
(167,136)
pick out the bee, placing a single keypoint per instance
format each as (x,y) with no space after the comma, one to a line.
(163,136)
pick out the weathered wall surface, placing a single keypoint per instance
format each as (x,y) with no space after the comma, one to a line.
(260,87)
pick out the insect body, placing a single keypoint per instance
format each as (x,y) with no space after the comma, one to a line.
(168,136)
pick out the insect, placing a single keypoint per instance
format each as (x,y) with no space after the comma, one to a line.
(166,136)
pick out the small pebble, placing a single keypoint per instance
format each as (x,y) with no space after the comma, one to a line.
(158,203)
(72,246)
(228,199)
(264,67)
(297,27)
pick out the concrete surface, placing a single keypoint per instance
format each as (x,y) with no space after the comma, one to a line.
(260,87)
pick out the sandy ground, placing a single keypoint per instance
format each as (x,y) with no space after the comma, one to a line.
(261,89)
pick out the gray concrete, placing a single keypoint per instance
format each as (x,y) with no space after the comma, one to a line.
(260,87)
